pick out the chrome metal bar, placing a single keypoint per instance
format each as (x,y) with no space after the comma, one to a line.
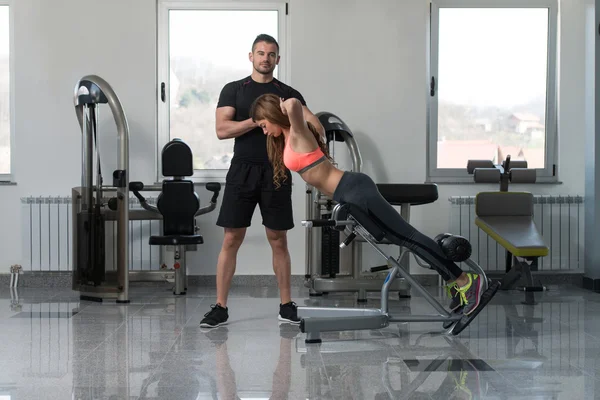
(147,188)
(439,308)
(335,312)
(425,318)
(308,233)
(205,210)
(179,281)
(354,151)
(349,284)
(351,323)
(94,114)
(478,270)
(122,165)
(87,142)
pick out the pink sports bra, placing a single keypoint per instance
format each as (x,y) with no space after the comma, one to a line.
(301,162)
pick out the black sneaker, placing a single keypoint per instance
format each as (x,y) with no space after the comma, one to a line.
(289,313)
(216,317)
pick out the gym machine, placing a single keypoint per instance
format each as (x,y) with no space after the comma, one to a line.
(507,217)
(355,222)
(95,204)
(88,220)
(178,204)
(323,257)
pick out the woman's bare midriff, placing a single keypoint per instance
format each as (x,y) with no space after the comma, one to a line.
(324,177)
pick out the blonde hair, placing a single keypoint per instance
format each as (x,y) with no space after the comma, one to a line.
(267,107)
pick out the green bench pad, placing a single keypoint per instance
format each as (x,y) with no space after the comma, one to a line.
(518,235)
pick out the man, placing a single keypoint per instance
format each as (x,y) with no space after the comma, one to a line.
(250,180)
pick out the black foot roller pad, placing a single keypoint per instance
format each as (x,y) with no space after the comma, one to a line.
(485,298)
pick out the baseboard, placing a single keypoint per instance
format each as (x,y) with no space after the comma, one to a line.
(63,279)
(591,284)
(549,278)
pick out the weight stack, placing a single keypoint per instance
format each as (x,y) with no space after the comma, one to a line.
(330,250)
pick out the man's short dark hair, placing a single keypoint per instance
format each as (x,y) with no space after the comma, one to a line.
(263,37)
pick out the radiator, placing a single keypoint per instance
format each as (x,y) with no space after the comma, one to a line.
(559,219)
(47,236)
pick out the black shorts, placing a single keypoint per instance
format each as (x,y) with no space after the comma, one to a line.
(246,186)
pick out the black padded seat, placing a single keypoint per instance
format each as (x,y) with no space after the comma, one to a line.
(174,240)
(409,193)
(178,202)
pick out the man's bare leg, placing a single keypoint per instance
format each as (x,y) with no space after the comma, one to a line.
(219,314)
(227,261)
(282,265)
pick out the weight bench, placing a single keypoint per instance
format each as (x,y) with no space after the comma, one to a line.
(507,217)
(315,320)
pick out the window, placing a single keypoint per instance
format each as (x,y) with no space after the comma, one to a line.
(5,93)
(492,88)
(203,46)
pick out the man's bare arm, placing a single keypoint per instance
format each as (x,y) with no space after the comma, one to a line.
(312,118)
(227,128)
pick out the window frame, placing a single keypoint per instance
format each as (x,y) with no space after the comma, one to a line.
(10,176)
(163,121)
(549,174)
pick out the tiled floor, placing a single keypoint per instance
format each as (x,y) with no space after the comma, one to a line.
(53,346)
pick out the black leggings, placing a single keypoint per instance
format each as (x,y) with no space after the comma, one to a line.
(359,190)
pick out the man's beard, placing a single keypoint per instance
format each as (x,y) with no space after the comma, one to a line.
(262,69)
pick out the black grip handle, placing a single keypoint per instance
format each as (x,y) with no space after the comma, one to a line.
(321,222)
(136,186)
(379,268)
(213,186)
(348,240)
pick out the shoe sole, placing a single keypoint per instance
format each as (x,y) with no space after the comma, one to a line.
(457,310)
(289,321)
(485,298)
(213,326)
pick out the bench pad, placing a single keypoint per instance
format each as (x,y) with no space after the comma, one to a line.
(518,235)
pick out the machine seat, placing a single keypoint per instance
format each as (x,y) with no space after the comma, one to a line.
(517,234)
(174,240)
(408,193)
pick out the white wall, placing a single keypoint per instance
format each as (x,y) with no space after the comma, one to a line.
(365,61)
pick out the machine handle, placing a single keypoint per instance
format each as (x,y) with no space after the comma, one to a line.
(137,186)
(317,223)
(214,187)
(348,240)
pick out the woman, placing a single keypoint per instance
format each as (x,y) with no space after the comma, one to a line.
(296,144)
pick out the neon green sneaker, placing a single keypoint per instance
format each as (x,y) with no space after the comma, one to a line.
(455,303)
(470,294)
